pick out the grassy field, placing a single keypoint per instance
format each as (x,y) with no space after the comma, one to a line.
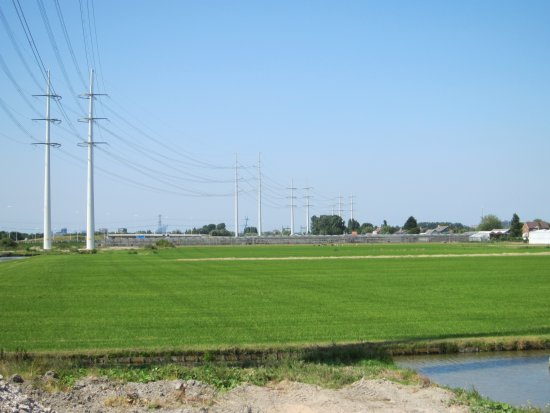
(148,299)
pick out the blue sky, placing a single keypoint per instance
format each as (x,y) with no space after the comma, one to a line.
(426,108)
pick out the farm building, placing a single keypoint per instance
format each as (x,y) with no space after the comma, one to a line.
(539,237)
(440,229)
(482,236)
(533,226)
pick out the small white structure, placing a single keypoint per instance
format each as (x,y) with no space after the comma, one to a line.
(539,237)
(480,236)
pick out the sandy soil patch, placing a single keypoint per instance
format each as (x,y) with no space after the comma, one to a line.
(363,257)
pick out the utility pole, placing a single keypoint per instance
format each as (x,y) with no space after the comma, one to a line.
(307,197)
(47,245)
(292,198)
(259,195)
(236,196)
(90,224)
(351,207)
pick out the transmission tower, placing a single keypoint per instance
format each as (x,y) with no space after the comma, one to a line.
(236,196)
(292,206)
(259,195)
(307,197)
(47,245)
(351,206)
(159,228)
(90,224)
(340,206)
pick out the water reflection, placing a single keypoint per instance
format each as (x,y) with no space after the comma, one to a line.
(10,258)
(518,378)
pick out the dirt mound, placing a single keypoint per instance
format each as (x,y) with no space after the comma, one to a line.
(92,395)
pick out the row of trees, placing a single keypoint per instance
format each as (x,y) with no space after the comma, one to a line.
(218,230)
(335,225)
(490,222)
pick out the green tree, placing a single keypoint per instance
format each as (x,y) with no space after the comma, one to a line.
(388,229)
(353,225)
(250,231)
(327,225)
(489,222)
(515,226)
(411,226)
(366,228)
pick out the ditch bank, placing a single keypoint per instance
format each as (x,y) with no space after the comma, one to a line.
(341,353)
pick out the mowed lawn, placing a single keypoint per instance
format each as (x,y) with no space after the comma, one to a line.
(150,300)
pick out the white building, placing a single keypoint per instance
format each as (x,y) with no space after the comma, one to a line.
(539,237)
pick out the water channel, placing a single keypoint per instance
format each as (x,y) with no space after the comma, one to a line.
(10,258)
(517,378)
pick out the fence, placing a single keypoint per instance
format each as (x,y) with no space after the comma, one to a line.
(133,240)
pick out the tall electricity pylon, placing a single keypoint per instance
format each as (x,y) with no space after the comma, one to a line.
(90,224)
(47,144)
(236,196)
(259,195)
(292,206)
(307,197)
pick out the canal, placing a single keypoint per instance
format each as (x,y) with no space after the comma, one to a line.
(517,378)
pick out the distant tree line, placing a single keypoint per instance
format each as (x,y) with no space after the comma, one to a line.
(335,225)
(455,227)
(215,230)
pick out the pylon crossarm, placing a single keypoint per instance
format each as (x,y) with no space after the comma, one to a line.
(85,144)
(84,120)
(57,97)
(54,144)
(53,120)
(88,95)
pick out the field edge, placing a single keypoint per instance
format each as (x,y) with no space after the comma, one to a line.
(321,352)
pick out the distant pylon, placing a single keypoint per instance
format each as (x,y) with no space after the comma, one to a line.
(236,196)
(47,245)
(292,198)
(90,221)
(308,205)
(259,195)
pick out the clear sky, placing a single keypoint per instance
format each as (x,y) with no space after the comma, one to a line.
(436,109)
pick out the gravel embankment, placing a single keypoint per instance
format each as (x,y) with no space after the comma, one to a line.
(14,400)
(95,395)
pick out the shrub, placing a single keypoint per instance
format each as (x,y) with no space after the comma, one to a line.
(164,243)
(7,243)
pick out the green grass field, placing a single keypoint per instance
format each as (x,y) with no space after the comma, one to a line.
(150,300)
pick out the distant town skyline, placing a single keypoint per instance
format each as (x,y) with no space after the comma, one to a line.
(437,110)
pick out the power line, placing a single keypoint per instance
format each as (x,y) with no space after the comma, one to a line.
(16,85)
(28,35)
(55,48)
(84,35)
(17,48)
(68,41)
